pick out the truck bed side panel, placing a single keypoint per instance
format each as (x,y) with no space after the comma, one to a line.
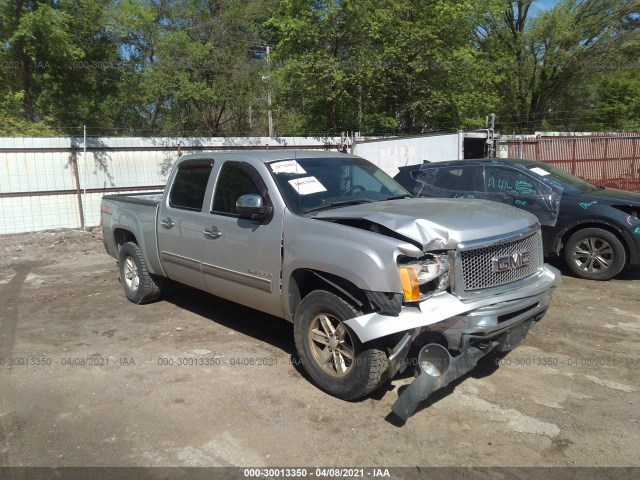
(135,214)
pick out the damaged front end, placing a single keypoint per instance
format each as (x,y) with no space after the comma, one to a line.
(464,340)
(467,304)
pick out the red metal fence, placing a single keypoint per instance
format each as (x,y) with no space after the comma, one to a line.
(611,161)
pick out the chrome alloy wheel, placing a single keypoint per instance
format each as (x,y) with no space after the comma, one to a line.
(593,255)
(331,345)
(131,276)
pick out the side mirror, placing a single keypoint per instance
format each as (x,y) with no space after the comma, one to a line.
(252,206)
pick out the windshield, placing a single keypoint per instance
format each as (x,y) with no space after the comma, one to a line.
(310,184)
(554,176)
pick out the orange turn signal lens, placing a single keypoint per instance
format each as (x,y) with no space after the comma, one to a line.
(409,281)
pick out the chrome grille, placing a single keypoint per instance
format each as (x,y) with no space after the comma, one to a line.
(477,264)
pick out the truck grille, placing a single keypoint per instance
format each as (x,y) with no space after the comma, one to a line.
(478,264)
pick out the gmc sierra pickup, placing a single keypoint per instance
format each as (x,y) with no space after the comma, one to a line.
(372,279)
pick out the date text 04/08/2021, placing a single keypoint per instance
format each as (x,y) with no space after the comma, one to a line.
(316,472)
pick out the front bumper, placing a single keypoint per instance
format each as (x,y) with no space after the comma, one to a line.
(471,329)
(447,307)
(493,321)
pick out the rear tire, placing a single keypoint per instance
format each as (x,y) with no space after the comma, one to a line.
(595,254)
(139,285)
(331,353)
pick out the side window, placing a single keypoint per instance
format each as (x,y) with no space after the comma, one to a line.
(233,182)
(509,180)
(459,179)
(189,187)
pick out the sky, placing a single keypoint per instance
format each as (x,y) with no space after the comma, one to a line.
(539,5)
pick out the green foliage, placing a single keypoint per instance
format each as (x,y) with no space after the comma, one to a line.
(48,79)
(193,67)
(380,65)
(542,62)
(616,105)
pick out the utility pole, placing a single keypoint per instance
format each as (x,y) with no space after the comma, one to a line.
(269,116)
(491,143)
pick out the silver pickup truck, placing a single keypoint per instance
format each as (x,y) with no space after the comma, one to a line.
(373,280)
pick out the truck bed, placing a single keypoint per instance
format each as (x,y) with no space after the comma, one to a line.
(150,198)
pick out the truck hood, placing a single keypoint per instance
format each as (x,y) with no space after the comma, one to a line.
(437,223)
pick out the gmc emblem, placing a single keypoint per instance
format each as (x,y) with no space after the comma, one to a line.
(507,263)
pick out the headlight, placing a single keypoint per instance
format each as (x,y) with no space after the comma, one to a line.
(421,278)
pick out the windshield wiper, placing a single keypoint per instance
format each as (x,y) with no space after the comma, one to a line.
(398,197)
(327,204)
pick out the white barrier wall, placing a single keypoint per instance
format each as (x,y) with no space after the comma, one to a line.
(389,154)
(32,213)
(38,188)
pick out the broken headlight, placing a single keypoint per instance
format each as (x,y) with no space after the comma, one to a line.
(423,277)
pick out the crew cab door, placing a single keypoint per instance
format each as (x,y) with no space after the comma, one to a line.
(242,260)
(182,219)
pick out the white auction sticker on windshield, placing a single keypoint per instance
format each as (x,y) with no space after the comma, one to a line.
(307,185)
(287,166)
(539,171)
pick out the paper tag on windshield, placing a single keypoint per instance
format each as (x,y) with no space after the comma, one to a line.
(539,171)
(287,166)
(307,185)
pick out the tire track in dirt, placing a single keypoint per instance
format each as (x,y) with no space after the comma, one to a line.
(9,300)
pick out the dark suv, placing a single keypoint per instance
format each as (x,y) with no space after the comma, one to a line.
(595,229)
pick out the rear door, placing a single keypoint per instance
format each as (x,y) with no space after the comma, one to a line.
(182,220)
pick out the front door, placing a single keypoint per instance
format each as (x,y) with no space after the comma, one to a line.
(243,261)
(515,187)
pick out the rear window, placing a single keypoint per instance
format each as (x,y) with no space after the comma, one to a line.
(189,186)
(459,179)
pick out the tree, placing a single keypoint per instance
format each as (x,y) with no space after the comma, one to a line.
(539,61)
(434,77)
(138,27)
(36,48)
(319,49)
(195,69)
(56,52)
(199,67)
(211,62)
(374,65)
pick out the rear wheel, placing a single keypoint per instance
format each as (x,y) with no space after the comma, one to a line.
(594,254)
(139,285)
(331,353)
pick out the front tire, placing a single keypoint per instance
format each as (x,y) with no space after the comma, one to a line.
(595,254)
(139,285)
(331,353)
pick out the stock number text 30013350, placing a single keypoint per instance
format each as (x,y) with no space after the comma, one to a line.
(318,472)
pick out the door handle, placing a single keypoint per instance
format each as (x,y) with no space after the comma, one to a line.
(167,222)
(212,232)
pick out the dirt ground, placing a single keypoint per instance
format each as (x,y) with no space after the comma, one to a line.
(90,379)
